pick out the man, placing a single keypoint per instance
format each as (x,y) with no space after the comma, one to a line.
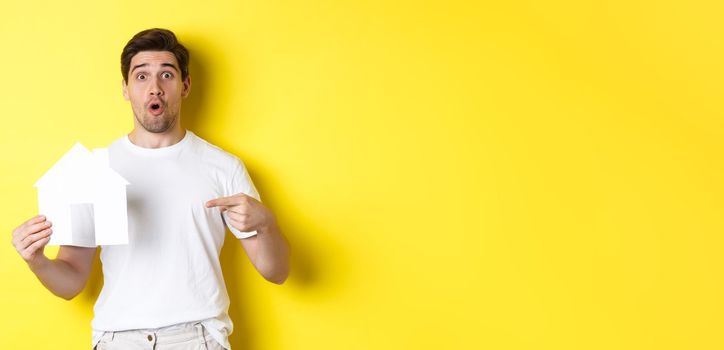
(165,288)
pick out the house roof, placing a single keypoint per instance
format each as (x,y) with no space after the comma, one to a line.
(79,162)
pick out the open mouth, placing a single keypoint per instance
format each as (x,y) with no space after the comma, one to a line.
(155,109)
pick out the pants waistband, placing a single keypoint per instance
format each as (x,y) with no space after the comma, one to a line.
(168,335)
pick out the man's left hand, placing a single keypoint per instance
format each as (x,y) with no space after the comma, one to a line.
(243,212)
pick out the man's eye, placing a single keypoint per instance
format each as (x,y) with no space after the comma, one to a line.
(167,75)
(141,77)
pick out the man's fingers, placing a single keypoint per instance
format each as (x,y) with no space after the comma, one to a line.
(237,216)
(238,225)
(24,232)
(34,220)
(223,201)
(24,243)
(35,246)
(226,201)
(34,237)
(35,228)
(239,209)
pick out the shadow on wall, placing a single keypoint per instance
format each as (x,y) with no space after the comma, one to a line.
(308,275)
(192,105)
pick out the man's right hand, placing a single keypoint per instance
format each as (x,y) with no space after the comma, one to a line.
(31,237)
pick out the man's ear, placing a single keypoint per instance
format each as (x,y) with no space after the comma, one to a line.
(187,86)
(124,87)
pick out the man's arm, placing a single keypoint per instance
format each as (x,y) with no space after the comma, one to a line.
(67,274)
(269,249)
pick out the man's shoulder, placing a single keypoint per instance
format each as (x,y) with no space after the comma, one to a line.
(213,153)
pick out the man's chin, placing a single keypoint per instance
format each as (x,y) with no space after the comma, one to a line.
(157,124)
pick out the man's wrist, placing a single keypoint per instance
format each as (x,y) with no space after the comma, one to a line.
(38,263)
(269,224)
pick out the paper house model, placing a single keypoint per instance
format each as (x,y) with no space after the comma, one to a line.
(84,199)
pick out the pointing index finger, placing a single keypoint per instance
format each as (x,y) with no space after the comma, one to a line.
(221,201)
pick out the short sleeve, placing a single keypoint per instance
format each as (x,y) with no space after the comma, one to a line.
(240,183)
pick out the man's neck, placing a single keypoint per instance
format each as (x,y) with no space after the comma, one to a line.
(142,138)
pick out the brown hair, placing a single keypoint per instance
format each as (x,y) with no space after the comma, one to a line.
(155,39)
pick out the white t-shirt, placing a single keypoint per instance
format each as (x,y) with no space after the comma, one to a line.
(170,273)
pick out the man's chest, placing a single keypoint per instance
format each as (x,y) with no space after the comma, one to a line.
(170,184)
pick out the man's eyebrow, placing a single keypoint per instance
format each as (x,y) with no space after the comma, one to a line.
(138,66)
(169,65)
(162,65)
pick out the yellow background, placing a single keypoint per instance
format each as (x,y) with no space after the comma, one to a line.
(451,175)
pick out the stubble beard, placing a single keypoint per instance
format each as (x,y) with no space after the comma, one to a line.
(157,124)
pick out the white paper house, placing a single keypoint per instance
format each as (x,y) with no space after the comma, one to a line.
(84,199)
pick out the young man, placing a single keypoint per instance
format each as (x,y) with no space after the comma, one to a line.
(165,288)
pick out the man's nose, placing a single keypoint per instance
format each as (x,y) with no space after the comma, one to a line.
(155,88)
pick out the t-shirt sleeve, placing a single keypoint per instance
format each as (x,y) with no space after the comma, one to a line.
(240,183)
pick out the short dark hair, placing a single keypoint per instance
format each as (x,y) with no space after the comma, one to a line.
(155,39)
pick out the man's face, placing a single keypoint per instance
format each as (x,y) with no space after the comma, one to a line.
(155,90)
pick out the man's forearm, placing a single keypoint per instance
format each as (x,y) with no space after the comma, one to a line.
(58,276)
(273,254)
